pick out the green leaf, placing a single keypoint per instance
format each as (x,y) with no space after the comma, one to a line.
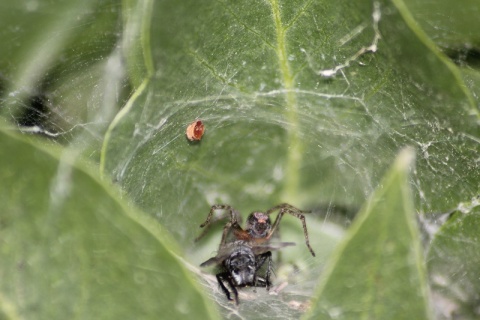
(276,130)
(378,273)
(136,39)
(59,68)
(453,261)
(449,25)
(48,40)
(472,80)
(71,249)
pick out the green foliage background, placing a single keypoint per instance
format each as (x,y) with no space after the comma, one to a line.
(100,213)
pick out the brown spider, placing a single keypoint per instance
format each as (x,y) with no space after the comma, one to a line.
(258,228)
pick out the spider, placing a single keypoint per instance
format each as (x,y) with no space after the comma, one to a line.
(258,228)
(240,261)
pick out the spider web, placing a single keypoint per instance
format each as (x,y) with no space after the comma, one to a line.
(51,84)
(257,127)
(362,120)
(294,275)
(314,122)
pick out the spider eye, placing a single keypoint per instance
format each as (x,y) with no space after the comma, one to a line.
(261,217)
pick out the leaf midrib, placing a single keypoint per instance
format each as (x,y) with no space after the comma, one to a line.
(294,149)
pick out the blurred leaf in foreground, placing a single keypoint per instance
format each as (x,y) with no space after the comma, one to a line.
(377,272)
(71,249)
(453,264)
(60,72)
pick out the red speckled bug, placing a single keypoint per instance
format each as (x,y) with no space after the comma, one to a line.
(195,130)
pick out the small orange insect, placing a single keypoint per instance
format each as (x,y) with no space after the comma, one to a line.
(195,130)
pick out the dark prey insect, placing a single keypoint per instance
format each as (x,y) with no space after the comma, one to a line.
(240,262)
(258,228)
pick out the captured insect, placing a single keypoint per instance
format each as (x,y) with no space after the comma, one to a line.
(195,130)
(240,262)
(259,228)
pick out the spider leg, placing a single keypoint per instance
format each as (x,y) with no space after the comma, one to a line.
(234,216)
(239,233)
(226,229)
(217,207)
(287,208)
(224,276)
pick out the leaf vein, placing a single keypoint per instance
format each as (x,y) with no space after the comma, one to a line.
(204,63)
(298,15)
(246,26)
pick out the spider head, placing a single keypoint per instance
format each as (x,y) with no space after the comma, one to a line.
(258,225)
